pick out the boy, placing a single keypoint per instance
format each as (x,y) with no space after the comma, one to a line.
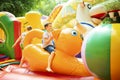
(48,44)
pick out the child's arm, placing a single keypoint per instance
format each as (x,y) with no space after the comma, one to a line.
(47,40)
(16,41)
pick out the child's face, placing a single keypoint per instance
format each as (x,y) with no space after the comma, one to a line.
(49,27)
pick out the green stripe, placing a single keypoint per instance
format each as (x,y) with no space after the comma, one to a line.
(98,51)
(7,25)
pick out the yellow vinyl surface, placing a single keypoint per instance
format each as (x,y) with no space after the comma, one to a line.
(115,52)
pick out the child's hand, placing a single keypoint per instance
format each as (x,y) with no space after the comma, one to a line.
(51,36)
(51,29)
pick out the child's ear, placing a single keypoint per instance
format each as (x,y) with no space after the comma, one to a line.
(56,33)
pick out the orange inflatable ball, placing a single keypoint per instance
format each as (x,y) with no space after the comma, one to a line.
(68,44)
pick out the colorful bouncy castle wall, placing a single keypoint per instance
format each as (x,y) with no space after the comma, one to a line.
(11,28)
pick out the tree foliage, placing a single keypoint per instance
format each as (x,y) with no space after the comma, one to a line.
(17,7)
(20,7)
(45,6)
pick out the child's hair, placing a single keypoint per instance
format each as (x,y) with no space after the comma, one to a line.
(47,24)
(29,28)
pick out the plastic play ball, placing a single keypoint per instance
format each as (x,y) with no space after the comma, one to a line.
(101,51)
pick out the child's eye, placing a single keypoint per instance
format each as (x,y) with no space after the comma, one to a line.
(74,33)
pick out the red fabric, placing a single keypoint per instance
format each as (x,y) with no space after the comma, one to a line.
(17,33)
